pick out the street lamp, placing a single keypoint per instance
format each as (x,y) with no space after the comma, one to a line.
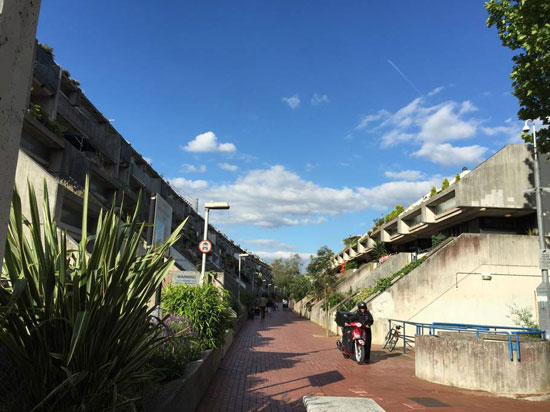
(207,207)
(543,289)
(241,255)
(268,285)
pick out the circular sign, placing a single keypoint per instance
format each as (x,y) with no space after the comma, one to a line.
(205,246)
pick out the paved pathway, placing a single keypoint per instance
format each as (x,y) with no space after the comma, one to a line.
(274,362)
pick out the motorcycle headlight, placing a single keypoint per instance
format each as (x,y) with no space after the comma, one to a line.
(358,324)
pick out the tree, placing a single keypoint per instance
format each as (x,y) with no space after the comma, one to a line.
(285,270)
(524,26)
(323,282)
(445,184)
(457,177)
(433,192)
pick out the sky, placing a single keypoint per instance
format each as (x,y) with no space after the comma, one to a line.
(311,118)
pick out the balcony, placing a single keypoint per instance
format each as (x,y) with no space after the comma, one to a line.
(95,132)
(139,175)
(45,69)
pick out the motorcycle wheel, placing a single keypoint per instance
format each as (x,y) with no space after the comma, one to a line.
(359,354)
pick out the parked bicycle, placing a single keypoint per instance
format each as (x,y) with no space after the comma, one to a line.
(392,337)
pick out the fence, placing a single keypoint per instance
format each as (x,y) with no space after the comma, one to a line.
(511,333)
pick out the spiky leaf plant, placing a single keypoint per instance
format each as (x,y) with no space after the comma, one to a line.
(75,324)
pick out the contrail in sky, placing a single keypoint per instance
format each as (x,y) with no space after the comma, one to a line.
(405,77)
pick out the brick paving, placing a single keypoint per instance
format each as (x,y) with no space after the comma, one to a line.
(274,362)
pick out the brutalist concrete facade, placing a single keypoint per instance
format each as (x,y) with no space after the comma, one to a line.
(69,138)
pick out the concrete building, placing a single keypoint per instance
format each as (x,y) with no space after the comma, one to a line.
(492,198)
(65,137)
(486,268)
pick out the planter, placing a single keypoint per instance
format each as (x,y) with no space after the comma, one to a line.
(184,394)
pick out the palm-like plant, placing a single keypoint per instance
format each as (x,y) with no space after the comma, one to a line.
(75,324)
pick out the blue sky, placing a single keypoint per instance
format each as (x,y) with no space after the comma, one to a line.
(310,117)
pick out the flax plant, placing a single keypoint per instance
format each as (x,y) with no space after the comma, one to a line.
(75,324)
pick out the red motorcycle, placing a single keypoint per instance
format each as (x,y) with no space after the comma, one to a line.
(355,335)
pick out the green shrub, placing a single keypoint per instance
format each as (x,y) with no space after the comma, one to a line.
(381,285)
(207,308)
(352,265)
(437,239)
(394,213)
(457,177)
(522,317)
(336,298)
(247,298)
(445,184)
(75,324)
(179,348)
(433,192)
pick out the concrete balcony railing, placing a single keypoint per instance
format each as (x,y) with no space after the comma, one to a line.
(139,175)
(46,70)
(107,143)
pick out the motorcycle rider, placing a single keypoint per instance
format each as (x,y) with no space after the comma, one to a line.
(365,317)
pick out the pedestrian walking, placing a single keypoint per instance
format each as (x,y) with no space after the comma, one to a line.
(263,304)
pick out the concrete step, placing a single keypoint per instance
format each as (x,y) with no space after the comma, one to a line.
(340,404)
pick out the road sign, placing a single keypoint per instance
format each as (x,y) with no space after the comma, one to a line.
(544,259)
(205,246)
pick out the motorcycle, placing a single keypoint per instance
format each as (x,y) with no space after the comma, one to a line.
(358,340)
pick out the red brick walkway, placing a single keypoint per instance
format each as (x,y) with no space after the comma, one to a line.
(274,362)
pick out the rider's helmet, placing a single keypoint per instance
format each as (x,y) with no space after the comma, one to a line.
(361,305)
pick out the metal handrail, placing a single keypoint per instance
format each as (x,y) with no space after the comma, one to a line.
(508,331)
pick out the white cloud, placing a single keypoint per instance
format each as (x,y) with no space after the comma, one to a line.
(404,174)
(387,195)
(185,185)
(270,244)
(270,256)
(448,155)
(431,128)
(511,130)
(228,166)
(193,169)
(277,197)
(208,142)
(435,91)
(370,118)
(395,136)
(292,101)
(317,99)
(310,167)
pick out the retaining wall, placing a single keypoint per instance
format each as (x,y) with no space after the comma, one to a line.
(483,363)
(449,286)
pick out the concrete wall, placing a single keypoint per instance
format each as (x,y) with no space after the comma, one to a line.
(448,286)
(483,364)
(367,276)
(28,170)
(18,20)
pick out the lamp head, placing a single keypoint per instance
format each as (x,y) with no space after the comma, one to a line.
(216,205)
(526,127)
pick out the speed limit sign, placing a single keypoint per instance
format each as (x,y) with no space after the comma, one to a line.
(205,246)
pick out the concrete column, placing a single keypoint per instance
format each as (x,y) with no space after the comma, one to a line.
(18,20)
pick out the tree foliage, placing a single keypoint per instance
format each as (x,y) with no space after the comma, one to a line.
(288,278)
(445,184)
(323,282)
(524,26)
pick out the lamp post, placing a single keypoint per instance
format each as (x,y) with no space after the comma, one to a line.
(543,289)
(241,255)
(207,207)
